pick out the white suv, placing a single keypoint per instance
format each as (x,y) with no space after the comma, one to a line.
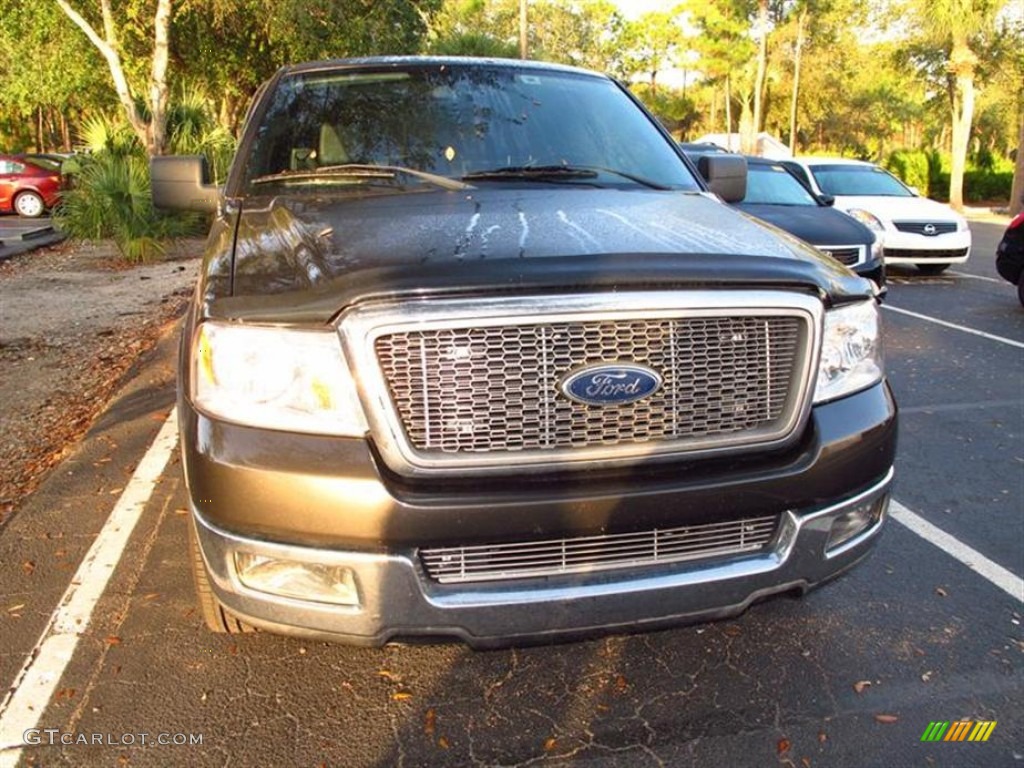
(913,229)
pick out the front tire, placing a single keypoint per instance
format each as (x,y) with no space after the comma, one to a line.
(29,204)
(215,617)
(933,269)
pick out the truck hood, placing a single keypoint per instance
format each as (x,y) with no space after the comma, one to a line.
(304,259)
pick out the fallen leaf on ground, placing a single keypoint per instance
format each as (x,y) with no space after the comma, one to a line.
(401,696)
(940,592)
(783,746)
(861,685)
(113,640)
(429,722)
(15,608)
(926,676)
(822,737)
(28,566)
(886,718)
(550,744)
(442,743)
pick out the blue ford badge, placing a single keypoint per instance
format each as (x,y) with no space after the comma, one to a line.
(611,384)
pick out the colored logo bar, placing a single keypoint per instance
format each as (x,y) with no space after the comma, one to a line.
(960,730)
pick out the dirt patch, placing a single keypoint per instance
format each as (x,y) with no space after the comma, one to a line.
(73,321)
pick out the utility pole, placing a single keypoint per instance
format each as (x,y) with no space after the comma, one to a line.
(522,29)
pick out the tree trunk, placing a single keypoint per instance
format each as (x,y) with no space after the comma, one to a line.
(762,68)
(39,130)
(962,64)
(728,112)
(152,135)
(65,132)
(796,80)
(1017,191)
(523,48)
(748,131)
(158,79)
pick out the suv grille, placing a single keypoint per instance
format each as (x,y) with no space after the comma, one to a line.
(477,384)
(554,557)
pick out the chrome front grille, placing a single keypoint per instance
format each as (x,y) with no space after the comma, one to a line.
(850,255)
(475,385)
(496,389)
(555,557)
(928,228)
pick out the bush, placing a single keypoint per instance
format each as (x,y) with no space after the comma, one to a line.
(111,199)
(979,186)
(912,166)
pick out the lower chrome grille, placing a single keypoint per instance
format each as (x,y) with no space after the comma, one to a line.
(555,557)
(924,255)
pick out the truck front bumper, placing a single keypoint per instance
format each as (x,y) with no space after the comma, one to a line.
(251,501)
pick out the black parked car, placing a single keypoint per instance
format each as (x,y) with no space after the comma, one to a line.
(474,354)
(1010,255)
(776,195)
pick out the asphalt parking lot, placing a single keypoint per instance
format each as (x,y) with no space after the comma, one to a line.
(927,629)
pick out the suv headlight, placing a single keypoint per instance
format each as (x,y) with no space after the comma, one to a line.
(286,379)
(851,351)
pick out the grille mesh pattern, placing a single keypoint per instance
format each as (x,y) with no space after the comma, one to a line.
(496,388)
(918,227)
(554,557)
(921,255)
(844,255)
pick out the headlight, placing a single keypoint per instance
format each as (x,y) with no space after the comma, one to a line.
(867,218)
(851,352)
(877,249)
(262,376)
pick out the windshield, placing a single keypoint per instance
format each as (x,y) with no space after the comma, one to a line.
(858,180)
(774,185)
(484,124)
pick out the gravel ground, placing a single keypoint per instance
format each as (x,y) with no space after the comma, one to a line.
(73,321)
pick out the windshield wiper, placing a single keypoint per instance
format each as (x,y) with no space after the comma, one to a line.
(362,171)
(557,173)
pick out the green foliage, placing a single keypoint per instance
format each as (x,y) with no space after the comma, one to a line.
(912,167)
(472,44)
(110,195)
(979,186)
(111,199)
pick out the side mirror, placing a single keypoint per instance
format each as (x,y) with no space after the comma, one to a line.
(182,183)
(726,175)
(828,200)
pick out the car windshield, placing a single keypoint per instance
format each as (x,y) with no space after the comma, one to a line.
(477,123)
(774,185)
(858,180)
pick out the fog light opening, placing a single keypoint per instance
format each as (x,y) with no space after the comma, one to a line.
(854,522)
(315,582)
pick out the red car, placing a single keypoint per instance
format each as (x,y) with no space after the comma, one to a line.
(29,186)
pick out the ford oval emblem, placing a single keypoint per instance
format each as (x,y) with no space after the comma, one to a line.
(611,384)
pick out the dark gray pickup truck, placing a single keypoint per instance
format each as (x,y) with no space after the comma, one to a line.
(477,354)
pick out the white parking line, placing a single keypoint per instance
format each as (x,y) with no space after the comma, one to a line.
(977,562)
(947,324)
(976,277)
(33,688)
